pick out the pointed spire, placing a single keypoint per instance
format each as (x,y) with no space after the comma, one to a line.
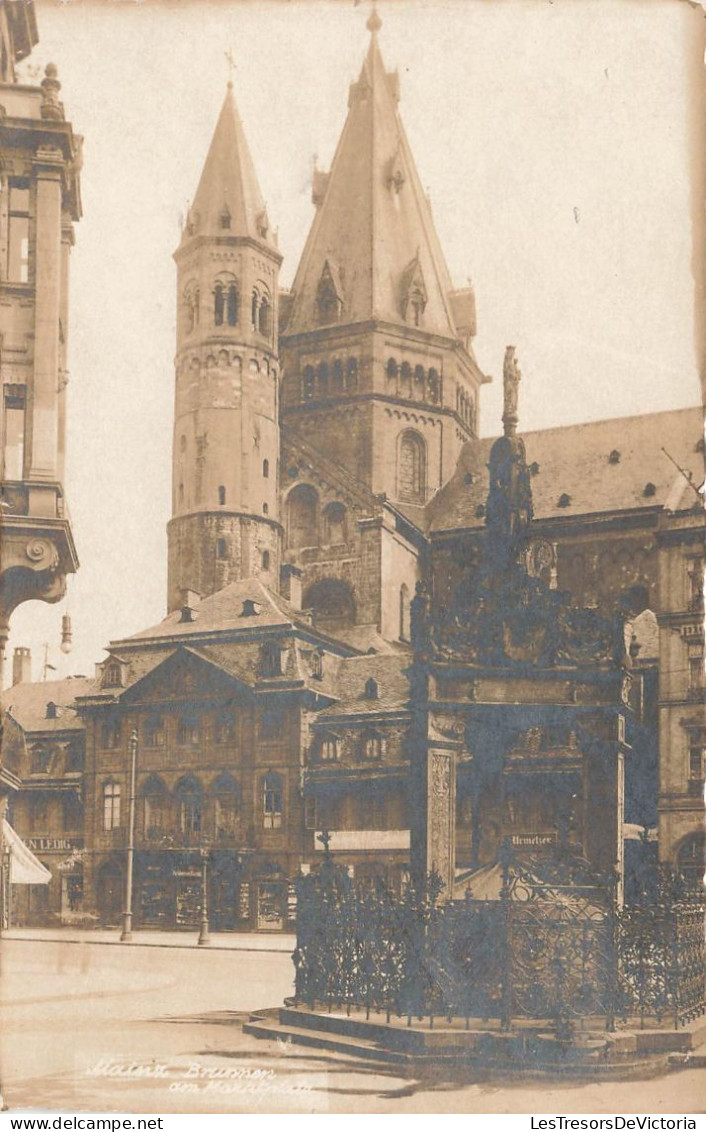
(228,200)
(373,220)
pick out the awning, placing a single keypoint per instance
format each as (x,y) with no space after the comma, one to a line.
(24,866)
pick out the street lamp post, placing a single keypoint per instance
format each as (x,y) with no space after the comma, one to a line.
(204,936)
(126,933)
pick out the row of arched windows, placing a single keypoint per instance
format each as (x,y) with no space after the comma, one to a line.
(327,379)
(466,408)
(190,809)
(306,527)
(227,306)
(415,383)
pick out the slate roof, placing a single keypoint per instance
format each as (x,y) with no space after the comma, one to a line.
(228,181)
(27,703)
(223,610)
(374,225)
(349,686)
(574,460)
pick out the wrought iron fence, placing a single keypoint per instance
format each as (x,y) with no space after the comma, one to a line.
(542,951)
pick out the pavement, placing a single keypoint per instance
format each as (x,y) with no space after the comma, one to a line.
(160,1030)
(220,941)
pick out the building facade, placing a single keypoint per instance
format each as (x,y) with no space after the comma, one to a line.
(40,202)
(327,467)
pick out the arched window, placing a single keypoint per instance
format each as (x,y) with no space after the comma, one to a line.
(221,548)
(232,304)
(272,801)
(255,307)
(221,495)
(218,304)
(224,218)
(406,373)
(372,746)
(226,807)
(404,613)
(154,807)
(264,316)
(265,560)
(197,306)
(189,794)
(391,369)
(302,516)
(338,375)
(433,385)
(419,376)
(323,379)
(155,734)
(265,469)
(308,383)
(191,308)
(351,375)
(111,806)
(331,603)
(188,731)
(411,467)
(329,749)
(224,729)
(334,524)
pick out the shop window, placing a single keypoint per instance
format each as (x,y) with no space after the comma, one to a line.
(111,806)
(272,801)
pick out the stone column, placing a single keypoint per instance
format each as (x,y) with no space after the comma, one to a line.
(433,819)
(43,402)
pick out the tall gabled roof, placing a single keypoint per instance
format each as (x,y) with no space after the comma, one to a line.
(373,230)
(228,201)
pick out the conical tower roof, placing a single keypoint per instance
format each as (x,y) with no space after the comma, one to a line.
(373,234)
(228,200)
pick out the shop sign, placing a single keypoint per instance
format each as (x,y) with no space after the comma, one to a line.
(53,844)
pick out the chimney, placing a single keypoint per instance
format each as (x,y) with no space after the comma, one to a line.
(189,600)
(22,666)
(290,581)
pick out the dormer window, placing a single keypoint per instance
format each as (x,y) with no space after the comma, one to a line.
(371,689)
(614,457)
(329,297)
(317,664)
(52,711)
(113,676)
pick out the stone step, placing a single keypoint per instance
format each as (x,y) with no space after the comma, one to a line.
(356,1047)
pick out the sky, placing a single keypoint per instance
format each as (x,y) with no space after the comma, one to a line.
(554,138)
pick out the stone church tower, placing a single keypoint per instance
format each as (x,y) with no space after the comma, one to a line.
(224,522)
(376,349)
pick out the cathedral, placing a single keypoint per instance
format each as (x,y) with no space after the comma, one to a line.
(326,468)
